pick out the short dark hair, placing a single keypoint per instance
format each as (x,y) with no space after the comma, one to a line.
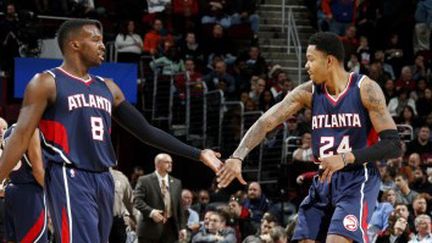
(328,43)
(404,177)
(73,25)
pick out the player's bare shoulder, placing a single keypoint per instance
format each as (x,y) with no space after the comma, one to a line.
(371,94)
(374,101)
(42,84)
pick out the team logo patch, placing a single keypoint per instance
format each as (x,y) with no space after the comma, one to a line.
(72,173)
(350,222)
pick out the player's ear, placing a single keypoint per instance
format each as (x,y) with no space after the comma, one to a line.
(74,44)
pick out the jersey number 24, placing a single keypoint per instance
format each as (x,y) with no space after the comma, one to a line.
(327,146)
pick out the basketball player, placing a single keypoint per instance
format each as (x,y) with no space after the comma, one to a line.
(345,108)
(73,111)
(25,210)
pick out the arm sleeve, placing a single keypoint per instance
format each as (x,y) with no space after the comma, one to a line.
(388,147)
(135,123)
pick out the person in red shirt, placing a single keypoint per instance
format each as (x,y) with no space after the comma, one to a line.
(156,36)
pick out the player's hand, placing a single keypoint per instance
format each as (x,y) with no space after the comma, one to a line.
(158,217)
(330,165)
(300,179)
(211,159)
(231,169)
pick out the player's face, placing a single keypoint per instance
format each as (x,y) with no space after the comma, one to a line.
(92,48)
(316,64)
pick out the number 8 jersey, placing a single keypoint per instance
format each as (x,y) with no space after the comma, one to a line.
(76,128)
(339,124)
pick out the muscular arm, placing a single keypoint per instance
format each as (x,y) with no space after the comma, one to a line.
(295,100)
(35,156)
(389,145)
(39,93)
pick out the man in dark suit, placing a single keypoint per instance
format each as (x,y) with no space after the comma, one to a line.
(158,197)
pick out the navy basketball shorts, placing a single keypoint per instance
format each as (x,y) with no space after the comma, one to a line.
(343,207)
(25,213)
(80,203)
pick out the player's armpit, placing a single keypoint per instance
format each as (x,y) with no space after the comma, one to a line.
(374,101)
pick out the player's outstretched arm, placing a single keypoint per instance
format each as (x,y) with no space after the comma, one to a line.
(388,147)
(295,100)
(39,93)
(35,156)
(135,123)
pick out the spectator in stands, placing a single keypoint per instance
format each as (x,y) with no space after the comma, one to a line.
(190,75)
(256,202)
(266,100)
(278,235)
(424,104)
(201,206)
(376,72)
(155,37)
(258,86)
(396,104)
(190,48)
(191,216)
(244,12)
(402,210)
(241,75)
(423,227)
(242,218)
(185,13)
(380,57)
(421,86)
(422,144)
(278,86)
(216,12)
(389,90)
(255,63)
(305,121)
(387,181)
(419,206)
(292,127)
(406,81)
(407,117)
(268,222)
(218,231)
(220,79)
(414,160)
(354,64)
(419,68)
(339,14)
(287,86)
(382,211)
(421,183)
(304,152)
(218,45)
(170,62)
(394,53)
(397,232)
(129,45)
(9,27)
(364,52)
(350,41)
(250,105)
(405,194)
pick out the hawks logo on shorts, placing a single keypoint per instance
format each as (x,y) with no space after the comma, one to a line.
(350,222)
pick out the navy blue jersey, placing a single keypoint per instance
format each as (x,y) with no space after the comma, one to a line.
(76,128)
(22,172)
(342,124)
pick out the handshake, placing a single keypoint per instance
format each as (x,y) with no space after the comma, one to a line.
(225,172)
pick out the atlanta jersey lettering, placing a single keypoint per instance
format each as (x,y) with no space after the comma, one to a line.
(76,128)
(339,124)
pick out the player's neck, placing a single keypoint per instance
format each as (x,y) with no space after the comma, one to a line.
(76,69)
(337,81)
